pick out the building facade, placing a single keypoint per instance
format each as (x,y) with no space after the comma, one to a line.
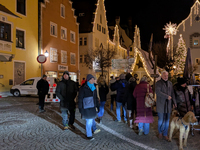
(189,30)
(60,38)
(93,33)
(18,42)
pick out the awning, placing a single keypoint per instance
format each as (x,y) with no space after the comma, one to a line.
(6,10)
(6,57)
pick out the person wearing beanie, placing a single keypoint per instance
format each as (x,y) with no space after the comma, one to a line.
(183,97)
(88,105)
(120,86)
(43,89)
(66,91)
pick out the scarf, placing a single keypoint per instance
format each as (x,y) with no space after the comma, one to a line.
(91,86)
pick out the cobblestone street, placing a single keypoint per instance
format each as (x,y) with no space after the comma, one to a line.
(22,127)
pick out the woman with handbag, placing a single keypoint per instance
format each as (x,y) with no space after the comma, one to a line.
(88,105)
(144,114)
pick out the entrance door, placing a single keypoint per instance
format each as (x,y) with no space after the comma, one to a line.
(19,72)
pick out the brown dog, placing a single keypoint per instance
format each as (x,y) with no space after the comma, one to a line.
(184,127)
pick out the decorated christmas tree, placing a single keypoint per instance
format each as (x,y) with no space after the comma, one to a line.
(180,56)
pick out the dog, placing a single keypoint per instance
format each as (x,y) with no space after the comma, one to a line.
(184,127)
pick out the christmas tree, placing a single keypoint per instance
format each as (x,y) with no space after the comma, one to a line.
(180,56)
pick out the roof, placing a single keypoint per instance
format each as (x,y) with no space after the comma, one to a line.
(6,10)
(84,10)
(148,64)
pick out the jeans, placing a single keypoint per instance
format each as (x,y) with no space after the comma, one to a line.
(90,125)
(145,127)
(64,115)
(163,123)
(118,112)
(101,109)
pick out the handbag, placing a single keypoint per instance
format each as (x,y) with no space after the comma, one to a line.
(88,102)
(149,100)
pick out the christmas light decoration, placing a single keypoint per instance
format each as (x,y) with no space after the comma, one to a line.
(180,56)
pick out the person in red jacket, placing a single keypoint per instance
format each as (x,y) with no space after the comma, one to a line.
(83,81)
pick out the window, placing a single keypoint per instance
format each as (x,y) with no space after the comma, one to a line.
(53,55)
(20,39)
(98,27)
(103,30)
(63,57)
(85,41)
(196,42)
(21,6)
(62,10)
(63,33)
(53,29)
(80,41)
(81,58)
(28,82)
(5,31)
(85,58)
(72,36)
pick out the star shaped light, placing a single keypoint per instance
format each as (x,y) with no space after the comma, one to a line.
(170,29)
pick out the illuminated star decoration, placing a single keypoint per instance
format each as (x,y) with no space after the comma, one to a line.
(170,29)
(139,64)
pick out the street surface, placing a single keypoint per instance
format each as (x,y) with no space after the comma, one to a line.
(22,127)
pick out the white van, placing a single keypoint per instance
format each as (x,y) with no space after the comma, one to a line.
(28,87)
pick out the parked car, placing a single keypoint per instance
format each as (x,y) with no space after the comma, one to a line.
(28,87)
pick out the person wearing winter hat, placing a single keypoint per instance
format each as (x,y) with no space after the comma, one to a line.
(183,97)
(66,91)
(87,104)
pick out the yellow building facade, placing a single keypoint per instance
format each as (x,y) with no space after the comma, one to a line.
(18,42)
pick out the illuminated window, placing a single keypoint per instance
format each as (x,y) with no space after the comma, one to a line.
(53,55)
(20,39)
(63,33)
(21,6)
(72,37)
(5,31)
(63,56)
(196,42)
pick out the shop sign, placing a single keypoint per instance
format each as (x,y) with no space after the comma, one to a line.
(62,67)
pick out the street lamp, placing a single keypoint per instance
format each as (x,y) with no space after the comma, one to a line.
(46,54)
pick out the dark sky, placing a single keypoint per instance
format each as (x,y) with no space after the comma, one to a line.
(149,15)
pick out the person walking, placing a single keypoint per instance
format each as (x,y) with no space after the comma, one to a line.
(103,91)
(183,97)
(88,105)
(66,91)
(144,114)
(129,101)
(113,94)
(164,97)
(120,86)
(43,89)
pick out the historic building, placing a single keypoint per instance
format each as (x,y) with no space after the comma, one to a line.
(93,33)
(18,42)
(59,36)
(189,31)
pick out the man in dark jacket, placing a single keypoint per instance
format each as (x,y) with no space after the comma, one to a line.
(66,91)
(43,88)
(120,86)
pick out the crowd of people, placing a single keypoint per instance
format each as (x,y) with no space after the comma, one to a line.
(126,95)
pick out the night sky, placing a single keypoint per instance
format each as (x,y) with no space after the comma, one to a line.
(149,15)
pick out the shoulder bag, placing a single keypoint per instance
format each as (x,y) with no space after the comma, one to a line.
(149,100)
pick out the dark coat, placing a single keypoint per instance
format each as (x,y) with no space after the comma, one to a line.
(163,105)
(128,96)
(103,91)
(183,99)
(128,76)
(66,91)
(43,87)
(120,87)
(89,113)
(144,114)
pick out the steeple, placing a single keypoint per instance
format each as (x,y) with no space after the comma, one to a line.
(137,42)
